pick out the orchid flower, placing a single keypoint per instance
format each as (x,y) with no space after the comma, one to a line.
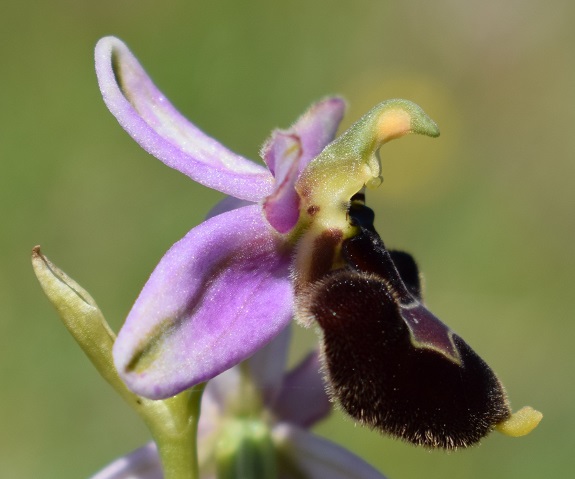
(297,240)
(225,289)
(293,240)
(254,421)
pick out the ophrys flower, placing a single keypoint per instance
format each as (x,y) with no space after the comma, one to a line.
(225,290)
(230,285)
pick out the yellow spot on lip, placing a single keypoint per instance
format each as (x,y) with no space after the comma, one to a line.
(393,124)
(520,423)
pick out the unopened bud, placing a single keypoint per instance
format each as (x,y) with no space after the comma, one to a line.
(246,451)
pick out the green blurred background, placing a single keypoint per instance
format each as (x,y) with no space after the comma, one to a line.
(487,208)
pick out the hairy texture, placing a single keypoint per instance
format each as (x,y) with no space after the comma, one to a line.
(381,379)
(391,364)
(408,271)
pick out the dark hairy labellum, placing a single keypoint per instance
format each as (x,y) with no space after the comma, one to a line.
(391,364)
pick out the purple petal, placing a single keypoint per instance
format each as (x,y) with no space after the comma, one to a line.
(282,206)
(318,126)
(219,397)
(316,458)
(313,131)
(302,399)
(288,152)
(149,118)
(267,366)
(218,401)
(216,297)
(143,463)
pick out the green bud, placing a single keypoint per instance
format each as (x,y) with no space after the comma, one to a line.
(246,451)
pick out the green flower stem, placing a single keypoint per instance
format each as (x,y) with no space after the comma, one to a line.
(175,433)
(173,422)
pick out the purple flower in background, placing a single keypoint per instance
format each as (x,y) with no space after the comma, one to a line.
(143,463)
(257,401)
(224,290)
